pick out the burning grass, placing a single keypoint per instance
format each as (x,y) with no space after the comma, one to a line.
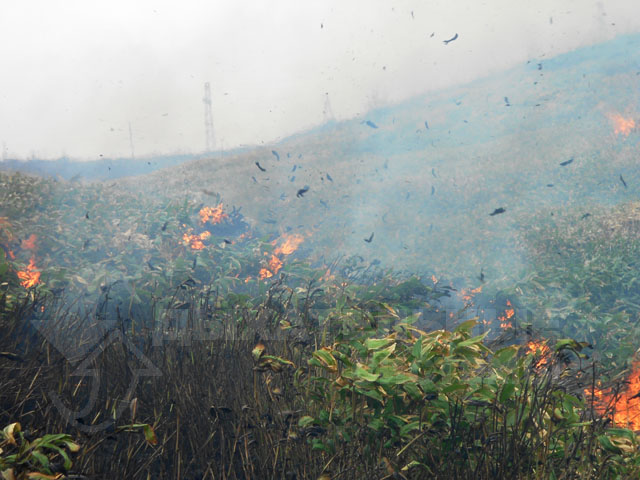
(196,242)
(620,403)
(254,399)
(348,376)
(348,382)
(212,215)
(288,245)
(30,276)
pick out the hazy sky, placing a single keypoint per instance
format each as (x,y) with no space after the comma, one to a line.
(74,74)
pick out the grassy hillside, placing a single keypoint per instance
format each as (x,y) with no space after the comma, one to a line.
(220,320)
(476,155)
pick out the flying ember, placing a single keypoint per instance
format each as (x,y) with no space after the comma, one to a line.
(327,276)
(30,276)
(212,214)
(467,294)
(621,124)
(29,243)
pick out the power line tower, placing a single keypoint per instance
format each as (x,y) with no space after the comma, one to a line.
(133,153)
(327,113)
(210,141)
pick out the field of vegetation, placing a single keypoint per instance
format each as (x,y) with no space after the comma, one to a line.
(150,338)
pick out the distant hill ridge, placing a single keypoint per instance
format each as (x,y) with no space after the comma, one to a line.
(536,140)
(96,170)
(599,59)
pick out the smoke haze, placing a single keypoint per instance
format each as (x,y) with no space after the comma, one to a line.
(77,74)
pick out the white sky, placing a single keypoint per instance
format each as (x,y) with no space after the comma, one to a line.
(75,73)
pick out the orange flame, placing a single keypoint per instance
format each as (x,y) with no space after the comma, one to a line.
(539,349)
(509,312)
(264,273)
(212,214)
(327,277)
(29,243)
(505,320)
(626,405)
(287,247)
(195,241)
(621,124)
(290,244)
(30,276)
(467,295)
(275,264)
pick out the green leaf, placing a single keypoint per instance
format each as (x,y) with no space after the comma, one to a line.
(305,421)
(377,343)
(607,445)
(455,387)
(326,360)
(376,395)
(67,461)
(44,476)
(8,433)
(360,372)
(281,360)
(398,379)
(376,424)
(568,343)
(258,351)
(622,432)
(72,446)
(507,391)
(409,428)
(415,463)
(383,354)
(413,391)
(475,340)
(150,434)
(504,355)
(466,327)
(318,445)
(416,351)
(41,458)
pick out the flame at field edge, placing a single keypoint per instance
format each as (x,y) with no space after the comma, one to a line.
(30,276)
(625,405)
